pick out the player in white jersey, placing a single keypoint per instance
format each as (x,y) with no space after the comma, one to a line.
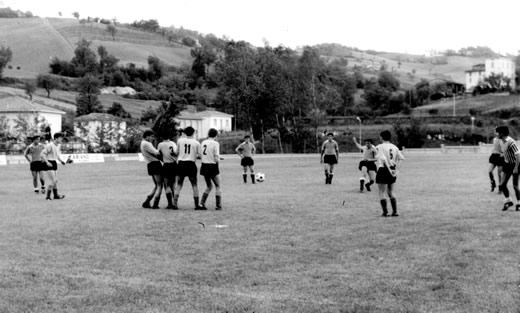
(154,167)
(209,169)
(329,157)
(246,150)
(367,166)
(510,166)
(389,159)
(50,155)
(496,160)
(189,152)
(168,153)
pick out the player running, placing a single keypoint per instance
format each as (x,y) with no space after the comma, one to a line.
(168,153)
(50,155)
(496,160)
(189,151)
(329,157)
(33,156)
(367,166)
(389,159)
(510,166)
(246,150)
(154,167)
(209,169)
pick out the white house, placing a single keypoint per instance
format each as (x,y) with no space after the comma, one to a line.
(97,129)
(479,72)
(204,120)
(14,108)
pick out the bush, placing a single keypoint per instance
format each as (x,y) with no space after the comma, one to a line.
(433,111)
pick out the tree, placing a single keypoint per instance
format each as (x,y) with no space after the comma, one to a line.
(87,101)
(156,68)
(107,62)
(5,57)
(117,110)
(388,81)
(76,15)
(84,60)
(29,88)
(47,82)
(112,30)
(165,124)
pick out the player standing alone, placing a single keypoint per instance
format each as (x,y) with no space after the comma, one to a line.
(367,166)
(246,151)
(496,159)
(329,157)
(168,151)
(510,167)
(209,169)
(389,158)
(50,155)
(154,167)
(36,164)
(189,151)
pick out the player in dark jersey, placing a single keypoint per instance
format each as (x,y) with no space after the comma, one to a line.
(33,156)
(367,165)
(510,166)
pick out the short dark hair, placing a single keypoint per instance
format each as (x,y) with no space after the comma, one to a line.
(502,130)
(386,135)
(58,135)
(189,131)
(148,133)
(247,136)
(330,134)
(369,140)
(212,133)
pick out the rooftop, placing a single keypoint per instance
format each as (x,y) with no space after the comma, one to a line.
(17,104)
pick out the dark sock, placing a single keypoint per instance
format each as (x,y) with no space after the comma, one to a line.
(383,206)
(218,201)
(492,178)
(148,199)
(393,203)
(361,184)
(330,178)
(169,198)
(245,178)
(156,202)
(49,192)
(204,198)
(253,178)
(196,201)
(371,182)
(55,192)
(505,191)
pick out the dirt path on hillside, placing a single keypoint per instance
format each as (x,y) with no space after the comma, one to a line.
(58,34)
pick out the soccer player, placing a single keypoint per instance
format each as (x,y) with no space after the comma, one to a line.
(510,166)
(389,159)
(154,167)
(367,166)
(246,150)
(189,151)
(329,157)
(209,169)
(496,160)
(50,155)
(168,151)
(36,165)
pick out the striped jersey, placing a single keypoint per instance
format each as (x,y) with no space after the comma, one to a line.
(497,149)
(329,147)
(246,149)
(388,155)
(510,149)
(189,149)
(150,154)
(210,151)
(168,150)
(35,152)
(51,152)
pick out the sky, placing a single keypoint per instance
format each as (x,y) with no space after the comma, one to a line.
(403,26)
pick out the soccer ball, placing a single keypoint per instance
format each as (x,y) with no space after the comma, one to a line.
(260,177)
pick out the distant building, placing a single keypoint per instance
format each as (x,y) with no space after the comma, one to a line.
(99,130)
(204,120)
(14,108)
(479,72)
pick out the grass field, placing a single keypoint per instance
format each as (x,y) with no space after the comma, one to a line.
(292,244)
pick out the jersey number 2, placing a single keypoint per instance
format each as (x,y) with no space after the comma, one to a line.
(204,151)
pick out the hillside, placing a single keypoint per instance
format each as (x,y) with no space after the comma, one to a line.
(35,41)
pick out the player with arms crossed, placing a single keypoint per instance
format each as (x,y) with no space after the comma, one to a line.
(50,155)
(329,157)
(209,169)
(510,166)
(154,167)
(246,151)
(189,151)
(168,153)
(496,160)
(389,159)
(367,166)
(36,164)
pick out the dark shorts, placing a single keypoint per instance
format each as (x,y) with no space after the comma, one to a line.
(169,170)
(186,168)
(508,168)
(370,165)
(496,159)
(384,176)
(208,169)
(37,166)
(247,161)
(53,167)
(330,159)
(154,168)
